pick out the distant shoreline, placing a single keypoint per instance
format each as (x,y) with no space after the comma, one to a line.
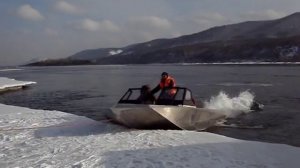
(9,69)
(245,63)
(184,64)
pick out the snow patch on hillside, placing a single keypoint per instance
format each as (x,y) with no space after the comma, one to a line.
(115,52)
(289,52)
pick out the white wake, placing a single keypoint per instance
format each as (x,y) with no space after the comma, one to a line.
(231,106)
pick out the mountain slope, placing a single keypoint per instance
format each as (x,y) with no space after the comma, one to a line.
(258,40)
(258,50)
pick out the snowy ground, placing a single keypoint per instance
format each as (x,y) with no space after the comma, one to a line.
(9,69)
(6,83)
(38,138)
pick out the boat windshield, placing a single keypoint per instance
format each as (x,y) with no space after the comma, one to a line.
(170,96)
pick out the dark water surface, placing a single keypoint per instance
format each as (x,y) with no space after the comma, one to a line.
(91,90)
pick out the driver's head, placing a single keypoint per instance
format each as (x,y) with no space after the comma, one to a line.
(164,75)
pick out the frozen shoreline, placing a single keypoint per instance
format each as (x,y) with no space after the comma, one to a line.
(7,84)
(40,138)
(10,69)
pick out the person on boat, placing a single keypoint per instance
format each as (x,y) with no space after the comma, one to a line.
(146,96)
(166,82)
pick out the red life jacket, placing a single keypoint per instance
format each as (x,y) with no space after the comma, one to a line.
(167,83)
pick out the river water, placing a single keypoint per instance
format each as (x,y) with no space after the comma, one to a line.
(92,90)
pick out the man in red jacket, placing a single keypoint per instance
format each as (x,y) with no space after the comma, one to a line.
(166,81)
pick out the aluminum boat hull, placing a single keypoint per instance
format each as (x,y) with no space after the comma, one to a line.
(165,116)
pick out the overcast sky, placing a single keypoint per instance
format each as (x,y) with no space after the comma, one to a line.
(39,29)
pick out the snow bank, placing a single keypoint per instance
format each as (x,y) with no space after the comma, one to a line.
(6,70)
(6,83)
(38,138)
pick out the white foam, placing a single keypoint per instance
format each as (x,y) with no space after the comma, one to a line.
(231,107)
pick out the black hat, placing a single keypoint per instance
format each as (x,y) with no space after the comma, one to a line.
(164,73)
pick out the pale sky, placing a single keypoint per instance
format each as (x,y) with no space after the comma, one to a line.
(40,29)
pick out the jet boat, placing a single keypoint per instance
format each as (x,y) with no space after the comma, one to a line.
(175,111)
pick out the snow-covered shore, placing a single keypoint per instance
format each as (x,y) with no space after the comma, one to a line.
(9,69)
(40,138)
(7,84)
